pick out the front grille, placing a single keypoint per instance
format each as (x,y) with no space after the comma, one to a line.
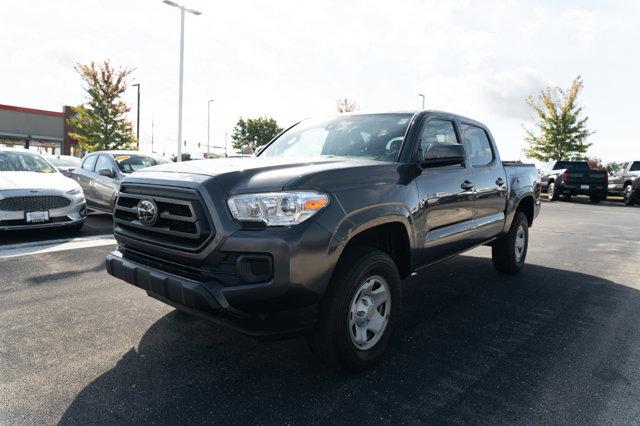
(34,203)
(182,221)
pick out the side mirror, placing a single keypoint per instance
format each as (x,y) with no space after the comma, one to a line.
(106,172)
(441,154)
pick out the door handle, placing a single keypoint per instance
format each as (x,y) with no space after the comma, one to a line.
(466,185)
(499,181)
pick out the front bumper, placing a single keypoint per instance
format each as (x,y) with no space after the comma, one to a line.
(209,300)
(69,216)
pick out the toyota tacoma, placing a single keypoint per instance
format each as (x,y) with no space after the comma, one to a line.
(316,233)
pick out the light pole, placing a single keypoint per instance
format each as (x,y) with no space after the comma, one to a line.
(422,96)
(138,119)
(182,11)
(208,124)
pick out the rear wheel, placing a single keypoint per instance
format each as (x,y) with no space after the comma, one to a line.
(509,251)
(552,192)
(567,197)
(359,311)
(629,197)
(595,198)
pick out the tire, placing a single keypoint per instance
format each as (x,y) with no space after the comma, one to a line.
(552,193)
(595,198)
(567,197)
(629,197)
(343,339)
(508,257)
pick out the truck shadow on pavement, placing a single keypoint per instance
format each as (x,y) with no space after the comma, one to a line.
(472,346)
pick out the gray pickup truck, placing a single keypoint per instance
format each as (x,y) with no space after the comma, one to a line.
(316,234)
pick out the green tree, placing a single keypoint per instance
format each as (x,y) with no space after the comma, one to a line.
(101,122)
(560,131)
(254,132)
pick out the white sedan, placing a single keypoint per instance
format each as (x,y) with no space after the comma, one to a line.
(33,194)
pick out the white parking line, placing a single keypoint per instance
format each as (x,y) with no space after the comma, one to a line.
(37,247)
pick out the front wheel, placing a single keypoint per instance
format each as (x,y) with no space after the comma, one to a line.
(359,311)
(629,197)
(509,251)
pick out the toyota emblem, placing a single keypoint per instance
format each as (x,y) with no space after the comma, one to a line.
(147,212)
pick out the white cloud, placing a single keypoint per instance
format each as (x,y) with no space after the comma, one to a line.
(291,59)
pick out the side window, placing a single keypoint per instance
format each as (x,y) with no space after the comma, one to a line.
(437,131)
(478,145)
(635,166)
(89,162)
(104,163)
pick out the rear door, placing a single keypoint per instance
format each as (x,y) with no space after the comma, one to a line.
(84,176)
(490,182)
(446,195)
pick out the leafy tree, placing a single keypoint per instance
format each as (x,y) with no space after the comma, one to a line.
(101,123)
(252,133)
(613,167)
(560,131)
(346,105)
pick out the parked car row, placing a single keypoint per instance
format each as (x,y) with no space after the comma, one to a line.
(564,179)
(55,191)
(34,194)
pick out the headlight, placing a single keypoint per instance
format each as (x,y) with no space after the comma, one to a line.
(75,191)
(277,208)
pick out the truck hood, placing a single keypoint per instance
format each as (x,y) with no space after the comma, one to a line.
(245,174)
(34,180)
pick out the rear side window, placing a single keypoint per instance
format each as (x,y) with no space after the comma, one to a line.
(89,162)
(478,145)
(437,131)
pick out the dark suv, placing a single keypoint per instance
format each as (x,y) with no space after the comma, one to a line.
(316,233)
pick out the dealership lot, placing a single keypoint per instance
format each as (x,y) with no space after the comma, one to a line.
(560,342)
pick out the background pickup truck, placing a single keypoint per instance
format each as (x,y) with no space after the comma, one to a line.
(621,183)
(567,178)
(316,233)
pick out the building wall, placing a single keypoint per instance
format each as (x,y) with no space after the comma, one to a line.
(44,131)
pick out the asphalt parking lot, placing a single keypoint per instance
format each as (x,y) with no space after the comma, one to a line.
(559,343)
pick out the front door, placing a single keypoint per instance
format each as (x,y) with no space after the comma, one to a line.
(446,195)
(105,187)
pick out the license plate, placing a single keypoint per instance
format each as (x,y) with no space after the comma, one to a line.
(584,186)
(37,217)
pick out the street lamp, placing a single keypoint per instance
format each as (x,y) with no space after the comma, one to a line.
(422,96)
(208,123)
(182,11)
(138,119)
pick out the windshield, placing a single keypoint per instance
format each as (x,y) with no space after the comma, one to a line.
(129,163)
(64,161)
(635,167)
(374,137)
(24,162)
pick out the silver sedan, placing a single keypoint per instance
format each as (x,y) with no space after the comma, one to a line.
(33,194)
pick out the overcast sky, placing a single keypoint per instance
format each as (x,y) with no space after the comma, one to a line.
(293,59)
